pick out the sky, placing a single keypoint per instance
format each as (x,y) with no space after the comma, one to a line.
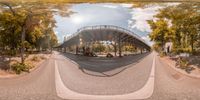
(134,19)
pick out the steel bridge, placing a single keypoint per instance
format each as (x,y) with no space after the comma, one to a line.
(114,34)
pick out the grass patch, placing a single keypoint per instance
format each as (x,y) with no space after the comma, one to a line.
(184,64)
(162,54)
(35,58)
(42,57)
(18,68)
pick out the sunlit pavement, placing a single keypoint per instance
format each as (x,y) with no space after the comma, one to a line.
(109,88)
(170,85)
(40,84)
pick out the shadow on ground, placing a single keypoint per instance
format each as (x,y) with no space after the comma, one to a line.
(104,67)
(4,63)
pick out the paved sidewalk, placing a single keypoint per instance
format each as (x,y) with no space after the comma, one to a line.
(194,73)
(11,74)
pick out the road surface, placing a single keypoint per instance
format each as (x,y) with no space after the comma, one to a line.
(101,77)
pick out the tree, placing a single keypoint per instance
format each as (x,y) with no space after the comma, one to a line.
(98,47)
(21,23)
(183,25)
(25,25)
(161,32)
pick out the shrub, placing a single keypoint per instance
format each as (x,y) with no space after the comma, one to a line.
(182,50)
(42,57)
(35,58)
(29,65)
(19,67)
(109,55)
(183,63)
(162,54)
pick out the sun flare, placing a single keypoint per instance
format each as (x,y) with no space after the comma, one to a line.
(77,19)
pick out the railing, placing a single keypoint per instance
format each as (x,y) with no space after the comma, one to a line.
(107,27)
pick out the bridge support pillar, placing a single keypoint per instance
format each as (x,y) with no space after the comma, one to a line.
(76,50)
(141,50)
(115,49)
(119,47)
(83,50)
(65,50)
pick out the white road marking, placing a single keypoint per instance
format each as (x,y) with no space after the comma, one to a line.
(144,93)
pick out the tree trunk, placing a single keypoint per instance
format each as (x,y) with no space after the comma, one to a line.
(22,44)
(192,45)
(119,47)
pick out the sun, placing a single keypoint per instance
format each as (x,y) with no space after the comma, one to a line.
(77,19)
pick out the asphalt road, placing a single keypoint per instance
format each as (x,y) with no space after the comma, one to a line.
(37,85)
(96,77)
(171,85)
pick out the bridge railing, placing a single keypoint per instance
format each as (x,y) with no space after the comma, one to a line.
(107,27)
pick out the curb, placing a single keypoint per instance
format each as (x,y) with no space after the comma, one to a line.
(14,76)
(180,71)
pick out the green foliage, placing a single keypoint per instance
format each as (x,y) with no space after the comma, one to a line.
(177,24)
(161,32)
(183,63)
(35,58)
(19,68)
(130,48)
(42,57)
(10,31)
(98,47)
(157,47)
(97,1)
(182,50)
(37,21)
(162,54)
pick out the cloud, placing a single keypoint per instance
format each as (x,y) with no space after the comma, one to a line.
(110,6)
(67,35)
(147,40)
(140,17)
(126,5)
